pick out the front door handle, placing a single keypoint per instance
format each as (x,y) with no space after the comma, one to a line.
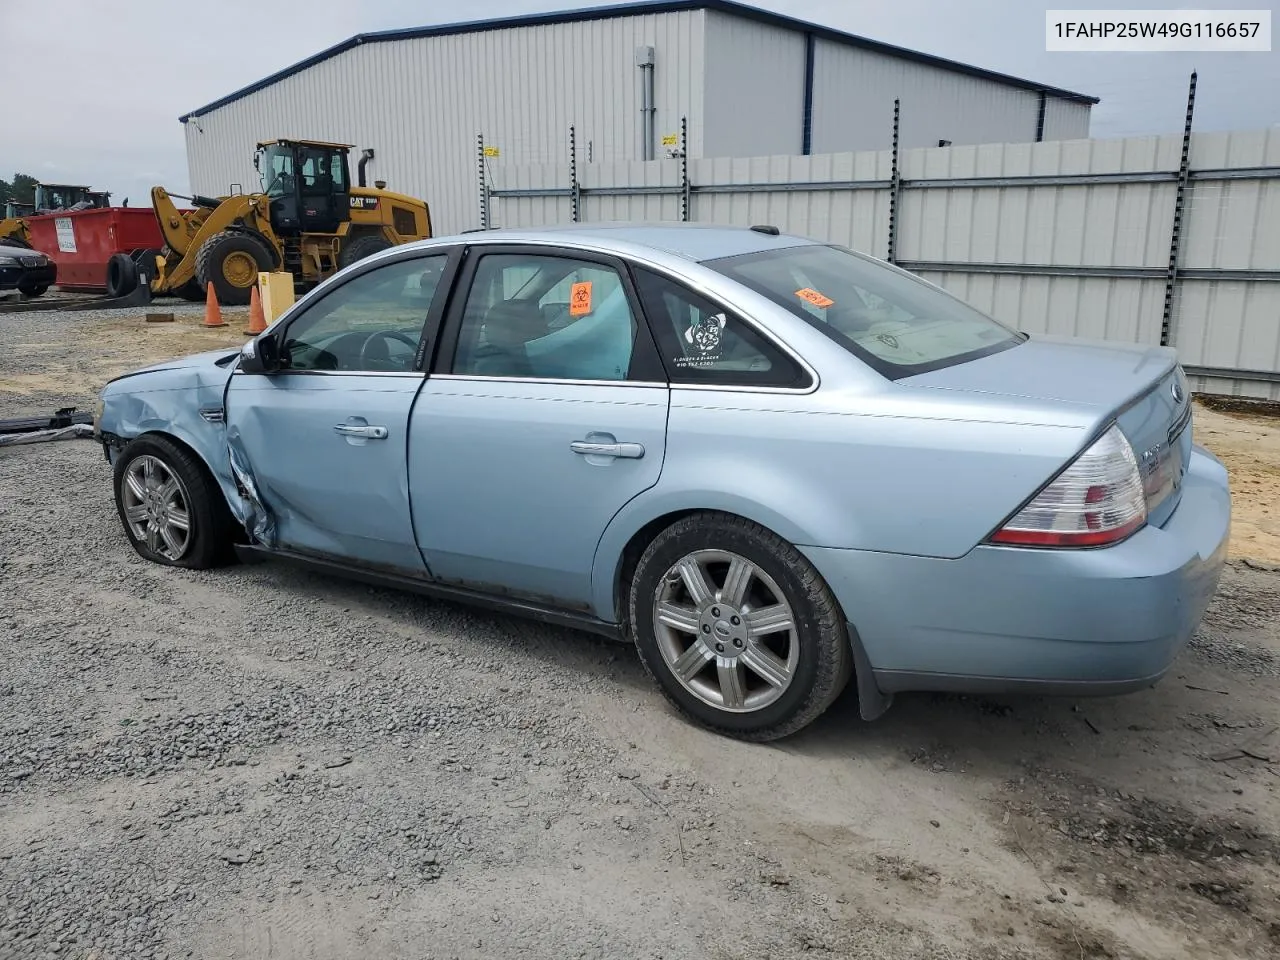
(588,448)
(360,430)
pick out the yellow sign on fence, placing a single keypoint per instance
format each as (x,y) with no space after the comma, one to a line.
(670,139)
(492,152)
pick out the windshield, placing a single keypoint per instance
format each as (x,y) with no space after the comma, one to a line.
(898,324)
(275,167)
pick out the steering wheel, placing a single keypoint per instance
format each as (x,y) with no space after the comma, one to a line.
(384,361)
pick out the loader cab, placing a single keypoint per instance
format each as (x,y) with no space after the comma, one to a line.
(67,196)
(308,184)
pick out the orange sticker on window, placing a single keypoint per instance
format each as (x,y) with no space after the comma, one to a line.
(580,299)
(814,297)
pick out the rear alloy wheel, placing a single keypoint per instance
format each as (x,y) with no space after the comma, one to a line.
(172,510)
(737,628)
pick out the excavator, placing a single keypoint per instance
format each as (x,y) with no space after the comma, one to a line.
(308,220)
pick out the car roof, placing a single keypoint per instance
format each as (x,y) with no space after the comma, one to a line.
(692,241)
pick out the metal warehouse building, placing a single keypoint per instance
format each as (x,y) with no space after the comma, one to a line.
(749,82)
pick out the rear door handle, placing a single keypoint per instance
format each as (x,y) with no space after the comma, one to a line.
(360,430)
(627,451)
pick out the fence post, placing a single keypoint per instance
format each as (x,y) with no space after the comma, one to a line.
(484,186)
(684,169)
(575,193)
(893,188)
(1175,238)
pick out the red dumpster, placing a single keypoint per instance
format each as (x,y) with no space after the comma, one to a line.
(82,241)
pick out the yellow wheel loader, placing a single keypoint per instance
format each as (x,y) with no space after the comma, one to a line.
(14,231)
(309,220)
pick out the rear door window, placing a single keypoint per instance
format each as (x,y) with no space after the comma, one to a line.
(545,317)
(897,323)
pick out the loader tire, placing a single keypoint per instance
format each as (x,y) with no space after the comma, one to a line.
(15,242)
(362,247)
(231,262)
(122,275)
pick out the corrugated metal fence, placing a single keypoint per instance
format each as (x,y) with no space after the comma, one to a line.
(1069,237)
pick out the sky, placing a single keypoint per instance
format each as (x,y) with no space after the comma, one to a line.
(100,104)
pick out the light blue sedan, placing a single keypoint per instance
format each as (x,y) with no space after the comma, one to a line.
(772,464)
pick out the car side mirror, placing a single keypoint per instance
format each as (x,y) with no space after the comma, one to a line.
(260,355)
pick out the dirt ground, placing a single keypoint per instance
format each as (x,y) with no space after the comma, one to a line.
(257,762)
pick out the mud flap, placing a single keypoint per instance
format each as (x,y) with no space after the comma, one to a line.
(872,701)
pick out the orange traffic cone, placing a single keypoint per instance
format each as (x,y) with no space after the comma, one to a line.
(212,313)
(257,319)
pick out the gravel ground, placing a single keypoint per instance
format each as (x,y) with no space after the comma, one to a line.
(261,762)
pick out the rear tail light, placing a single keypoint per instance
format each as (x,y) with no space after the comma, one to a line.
(1095,501)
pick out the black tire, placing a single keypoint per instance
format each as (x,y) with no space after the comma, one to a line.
(824,661)
(218,251)
(212,529)
(122,275)
(15,242)
(361,247)
(33,289)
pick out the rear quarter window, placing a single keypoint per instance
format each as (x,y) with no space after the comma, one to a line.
(701,342)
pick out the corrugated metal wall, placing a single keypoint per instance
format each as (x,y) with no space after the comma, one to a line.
(1065,119)
(854,90)
(754,88)
(997,245)
(421,102)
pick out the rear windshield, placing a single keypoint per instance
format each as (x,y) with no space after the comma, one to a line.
(898,324)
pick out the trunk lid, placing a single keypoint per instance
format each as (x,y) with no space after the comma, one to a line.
(1141,387)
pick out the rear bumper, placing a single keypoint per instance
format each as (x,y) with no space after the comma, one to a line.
(1004,619)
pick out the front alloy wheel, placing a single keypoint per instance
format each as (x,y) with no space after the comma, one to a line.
(172,509)
(156,507)
(737,628)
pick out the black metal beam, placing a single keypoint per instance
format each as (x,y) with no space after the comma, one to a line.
(1089,270)
(1040,180)
(806,122)
(1048,180)
(575,190)
(1175,235)
(685,187)
(895,185)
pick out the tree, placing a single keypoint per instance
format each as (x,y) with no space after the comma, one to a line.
(23,188)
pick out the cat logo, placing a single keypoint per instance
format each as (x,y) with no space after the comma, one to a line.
(364,203)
